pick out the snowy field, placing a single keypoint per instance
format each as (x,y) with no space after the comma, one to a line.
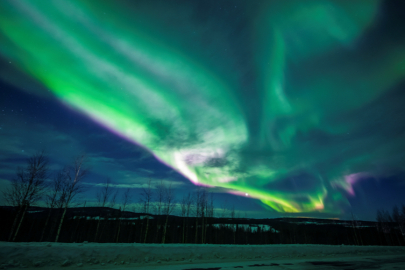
(188,256)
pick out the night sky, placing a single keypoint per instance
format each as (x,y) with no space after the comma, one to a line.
(282,108)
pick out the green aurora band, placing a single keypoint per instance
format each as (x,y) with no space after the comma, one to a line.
(151,82)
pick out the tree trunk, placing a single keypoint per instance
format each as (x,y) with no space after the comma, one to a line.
(207,225)
(131,237)
(361,240)
(147,227)
(164,232)
(53,224)
(105,221)
(98,226)
(72,237)
(46,225)
(379,237)
(118,232)
(19,224)
(60,224)
(396,235)
(234,234)
(82,231)
(202,230)
(390,240)
(29,239)
(402,232)
(221,233)
(196,230)
(157,230)
(184,227)
(355,235)
(187,230)
(15,222)
(140,238)
(348,237)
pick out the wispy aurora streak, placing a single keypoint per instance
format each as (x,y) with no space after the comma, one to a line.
(133,73)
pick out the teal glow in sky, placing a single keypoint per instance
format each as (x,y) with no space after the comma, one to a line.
(274,104)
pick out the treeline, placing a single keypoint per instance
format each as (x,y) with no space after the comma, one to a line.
(107,225)
(119,218)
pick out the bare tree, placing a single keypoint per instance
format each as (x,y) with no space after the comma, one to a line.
(185,206)
(103,195)
(396,217)
(78,223)
(384,219)
(200,202)
(380,223)
(126,199)
(168,207)
(189,206)
(196,201)
(111,204)
(60,202)
(402,221)
(146,198)
(233,223)
(27,188)
(203,212)
(72,185)
(159,195)
(389,222)
(223,214)
(354,230)
(134,209)
(53,197)
(158,205)
(210,212)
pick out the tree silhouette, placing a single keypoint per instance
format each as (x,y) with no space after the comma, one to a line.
(27,188)
(126,199)
(146,198)
(53,197)
(103,197)
(72,185)
(168,207)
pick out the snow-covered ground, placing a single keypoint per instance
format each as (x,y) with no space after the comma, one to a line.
(170,256)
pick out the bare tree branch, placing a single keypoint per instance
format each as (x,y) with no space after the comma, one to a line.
(168,206)
(30,184)
(72,185)
(113,200)
(53,197)
(103,197)
(104,193)
(27,188)
(146,197)
(159,194)
(126,198)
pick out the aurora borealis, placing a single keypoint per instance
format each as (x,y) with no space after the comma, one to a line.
(288,102)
